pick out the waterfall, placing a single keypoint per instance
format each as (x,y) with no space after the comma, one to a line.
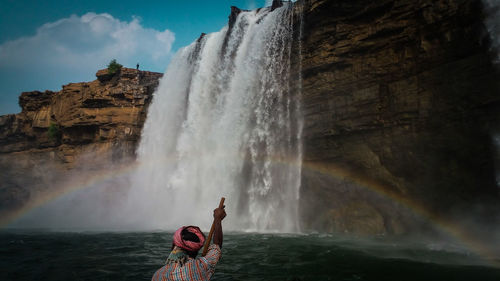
(225,121)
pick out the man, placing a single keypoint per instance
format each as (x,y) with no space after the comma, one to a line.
(182,263)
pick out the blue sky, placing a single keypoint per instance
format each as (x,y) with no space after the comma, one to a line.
(46,44)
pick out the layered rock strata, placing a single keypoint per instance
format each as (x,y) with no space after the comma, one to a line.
(400,100)
(100,120)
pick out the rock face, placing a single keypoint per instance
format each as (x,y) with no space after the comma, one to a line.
(400,99)
(103,117)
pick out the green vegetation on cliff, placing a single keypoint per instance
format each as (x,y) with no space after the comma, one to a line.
(114,66)
(54,131)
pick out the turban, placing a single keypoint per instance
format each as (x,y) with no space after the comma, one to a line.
(187,245)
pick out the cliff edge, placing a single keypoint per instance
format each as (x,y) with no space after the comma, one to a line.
(103,117)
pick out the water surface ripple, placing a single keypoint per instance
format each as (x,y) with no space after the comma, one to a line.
(136,256)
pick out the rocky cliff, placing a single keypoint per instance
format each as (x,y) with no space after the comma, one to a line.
(400,100)
(103,117)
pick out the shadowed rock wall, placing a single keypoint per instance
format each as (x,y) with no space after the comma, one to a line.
(399,100)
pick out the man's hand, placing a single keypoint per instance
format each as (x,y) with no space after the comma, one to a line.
(219,213)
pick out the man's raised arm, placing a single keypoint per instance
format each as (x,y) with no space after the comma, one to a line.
(219,215)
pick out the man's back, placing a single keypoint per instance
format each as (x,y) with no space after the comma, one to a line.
(181,264)
(200,268)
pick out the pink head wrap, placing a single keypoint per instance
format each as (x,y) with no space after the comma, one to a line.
(190,246)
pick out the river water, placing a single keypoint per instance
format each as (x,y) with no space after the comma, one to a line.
(44,255)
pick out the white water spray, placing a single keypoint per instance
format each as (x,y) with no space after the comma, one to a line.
(492,8)
(225,121)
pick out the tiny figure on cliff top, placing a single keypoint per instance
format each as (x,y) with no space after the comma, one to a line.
(182,263)
(137,66)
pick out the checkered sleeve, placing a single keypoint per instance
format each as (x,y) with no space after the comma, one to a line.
(209,261)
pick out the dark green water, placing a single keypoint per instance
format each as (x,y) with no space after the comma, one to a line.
(136,256)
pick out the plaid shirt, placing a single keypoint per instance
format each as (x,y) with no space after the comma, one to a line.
(199,269)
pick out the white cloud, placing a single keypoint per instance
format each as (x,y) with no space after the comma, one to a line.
(90,41)
(72,49)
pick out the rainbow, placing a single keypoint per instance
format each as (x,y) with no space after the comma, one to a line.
(459,233)
(62,189)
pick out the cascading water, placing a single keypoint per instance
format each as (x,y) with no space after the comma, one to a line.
(225,121)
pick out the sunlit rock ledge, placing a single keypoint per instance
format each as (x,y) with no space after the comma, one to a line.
(100,120)
(111,108)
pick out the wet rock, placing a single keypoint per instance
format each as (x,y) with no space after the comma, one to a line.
(401,98)
(276,4)
(201,37)
(235,11)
